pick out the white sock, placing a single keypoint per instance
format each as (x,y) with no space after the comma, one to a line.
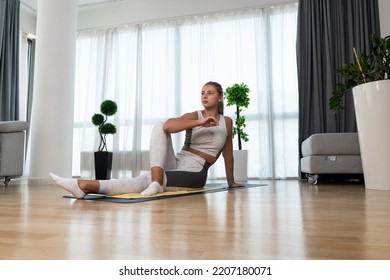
(121,186)
(154,188)
(70,185)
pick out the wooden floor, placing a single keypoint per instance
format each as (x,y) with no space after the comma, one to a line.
(283,220)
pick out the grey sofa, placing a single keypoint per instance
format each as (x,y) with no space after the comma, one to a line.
(330,153)
(12,146)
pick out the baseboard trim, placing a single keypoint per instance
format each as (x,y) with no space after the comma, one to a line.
(39,182)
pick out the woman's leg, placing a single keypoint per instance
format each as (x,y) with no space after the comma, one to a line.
(162,157)
(71,185)
(121,186)
(156,185)
(80,188)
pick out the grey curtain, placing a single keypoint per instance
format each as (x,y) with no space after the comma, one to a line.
(9,59)
(327,32)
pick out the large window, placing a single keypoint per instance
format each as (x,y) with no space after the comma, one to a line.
(156,70)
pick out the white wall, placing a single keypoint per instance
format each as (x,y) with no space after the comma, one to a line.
(138,11)
(28,19)
(135,11)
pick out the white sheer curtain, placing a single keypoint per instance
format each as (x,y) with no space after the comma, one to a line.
(156,70)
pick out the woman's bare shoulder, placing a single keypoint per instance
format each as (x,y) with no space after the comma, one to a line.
(190,116)
(228,120)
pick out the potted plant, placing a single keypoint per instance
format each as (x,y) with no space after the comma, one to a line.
(369,80)
(103,158)
(237,95)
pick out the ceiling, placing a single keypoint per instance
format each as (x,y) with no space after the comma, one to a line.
(33,3)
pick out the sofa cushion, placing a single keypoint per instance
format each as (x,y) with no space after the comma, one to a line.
(331,144)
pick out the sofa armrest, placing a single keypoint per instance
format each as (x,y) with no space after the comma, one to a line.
(13,126)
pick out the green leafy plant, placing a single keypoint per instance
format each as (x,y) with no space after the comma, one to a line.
(237,95)
(367,68)
(107,108)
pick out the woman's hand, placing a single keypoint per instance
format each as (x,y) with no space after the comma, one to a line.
(209,121)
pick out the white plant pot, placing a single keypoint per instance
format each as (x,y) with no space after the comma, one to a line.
(372,107)
(240,165)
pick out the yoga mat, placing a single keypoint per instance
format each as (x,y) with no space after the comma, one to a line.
(171,192)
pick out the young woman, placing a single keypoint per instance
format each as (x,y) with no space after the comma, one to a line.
(208,134)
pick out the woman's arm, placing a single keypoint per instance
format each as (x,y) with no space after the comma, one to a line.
(187,121)
(227,153)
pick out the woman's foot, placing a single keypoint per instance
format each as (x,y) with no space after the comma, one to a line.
(153,188)
(70,185)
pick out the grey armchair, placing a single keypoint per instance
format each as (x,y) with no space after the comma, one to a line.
(12,139)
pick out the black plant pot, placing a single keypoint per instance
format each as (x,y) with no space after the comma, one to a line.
(103,164)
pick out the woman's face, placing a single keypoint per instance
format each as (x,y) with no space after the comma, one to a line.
(210,96)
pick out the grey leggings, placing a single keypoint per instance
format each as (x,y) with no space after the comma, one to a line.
(183,169)
(179,178)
